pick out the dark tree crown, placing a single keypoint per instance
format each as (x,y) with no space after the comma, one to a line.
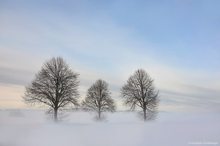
(140,91)
(55,85)
(98,98)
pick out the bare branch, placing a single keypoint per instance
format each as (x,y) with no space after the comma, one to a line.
(55,85)
(98,98)
(140,91)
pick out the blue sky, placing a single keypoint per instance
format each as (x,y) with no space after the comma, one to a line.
(177,42)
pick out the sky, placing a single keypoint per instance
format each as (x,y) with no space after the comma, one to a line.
(175,41)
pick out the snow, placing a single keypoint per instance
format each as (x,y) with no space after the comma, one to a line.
(35,128)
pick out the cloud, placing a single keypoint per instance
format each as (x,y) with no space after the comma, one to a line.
(14,76)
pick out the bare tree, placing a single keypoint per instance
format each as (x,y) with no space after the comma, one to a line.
(55,85)
(98,98)
(139,91)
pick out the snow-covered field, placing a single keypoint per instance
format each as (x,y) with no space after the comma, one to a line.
(35,128)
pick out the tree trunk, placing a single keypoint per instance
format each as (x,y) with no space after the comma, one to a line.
(144,110)
(99,114)
(55,114)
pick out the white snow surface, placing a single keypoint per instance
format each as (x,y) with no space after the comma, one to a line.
(36,128)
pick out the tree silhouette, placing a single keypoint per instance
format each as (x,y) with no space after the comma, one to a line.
(55,85)
(98,99)
(140,91)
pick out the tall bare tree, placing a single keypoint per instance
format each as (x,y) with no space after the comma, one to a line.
(98,98)
(139,91)
(55,85)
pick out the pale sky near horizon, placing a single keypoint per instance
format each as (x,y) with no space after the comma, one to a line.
(175,41)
